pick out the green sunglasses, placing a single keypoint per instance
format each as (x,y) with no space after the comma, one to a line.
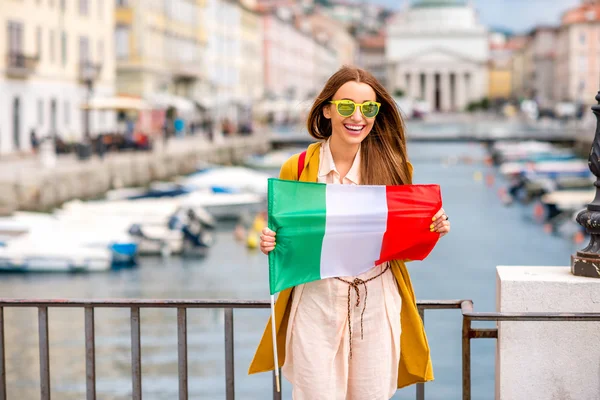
(346,108)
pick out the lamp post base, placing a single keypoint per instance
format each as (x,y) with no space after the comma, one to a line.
(585,264)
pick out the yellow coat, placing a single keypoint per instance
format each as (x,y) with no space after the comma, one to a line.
(415,362)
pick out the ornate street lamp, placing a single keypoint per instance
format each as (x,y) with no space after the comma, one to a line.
(586,262)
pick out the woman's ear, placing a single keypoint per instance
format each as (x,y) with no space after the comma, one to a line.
(327,111)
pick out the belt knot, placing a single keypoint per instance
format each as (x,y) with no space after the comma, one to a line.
(355,284)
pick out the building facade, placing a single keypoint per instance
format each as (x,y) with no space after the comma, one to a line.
(437,51)
(289,59)
(371,56)
(503,54)
(335,33)
(160,49)
(577,72)
(251,58)
(54,56)
(540,72)
(223,20)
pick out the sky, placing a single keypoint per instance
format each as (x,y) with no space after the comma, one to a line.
(516,15)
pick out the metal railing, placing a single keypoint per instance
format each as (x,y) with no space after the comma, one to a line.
(466,307)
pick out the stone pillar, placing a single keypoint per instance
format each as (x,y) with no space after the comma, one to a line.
(547,360)
(460,87)
(430,89)
(445,91)
(415,85)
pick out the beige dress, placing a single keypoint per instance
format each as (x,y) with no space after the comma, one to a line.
(318,362)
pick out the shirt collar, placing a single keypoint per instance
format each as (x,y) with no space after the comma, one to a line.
(327,165)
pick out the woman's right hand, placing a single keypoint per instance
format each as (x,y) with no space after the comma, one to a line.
(267,240)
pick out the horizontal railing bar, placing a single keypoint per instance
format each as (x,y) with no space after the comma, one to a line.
(189,303)
(439,304)
(484,316)
(465,305)
(141,303)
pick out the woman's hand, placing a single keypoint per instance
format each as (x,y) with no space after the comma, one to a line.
(440,223)
(267,240)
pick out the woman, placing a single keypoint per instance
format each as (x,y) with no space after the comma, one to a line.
(362,142)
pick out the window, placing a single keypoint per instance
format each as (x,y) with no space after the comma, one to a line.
(84,50)
(122,3)
(582,38)
(15,37)
(38,42)
(63,5)
(122,42)
(63,48)
(51,46)
(83,7)
(100,50)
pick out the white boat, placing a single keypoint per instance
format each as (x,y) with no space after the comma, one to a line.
(158,226)
(546,168)
(41,226)
(220,205)
(31,253)
(272,160)
(232,179)
(569,200)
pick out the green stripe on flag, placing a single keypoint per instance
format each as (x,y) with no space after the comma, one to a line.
(297,214)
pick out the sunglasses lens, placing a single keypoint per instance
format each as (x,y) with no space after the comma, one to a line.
(346,108)
(370,109)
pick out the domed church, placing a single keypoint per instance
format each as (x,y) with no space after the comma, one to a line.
(437,51)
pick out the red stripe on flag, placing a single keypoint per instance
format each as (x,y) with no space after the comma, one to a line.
(410,209)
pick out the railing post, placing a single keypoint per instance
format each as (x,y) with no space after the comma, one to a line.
(229,361)
(2,358)
(136,354)
(90,354)
(276,394)
(182,352)
(421,386)
(585,261)
(466,358)
(44,353)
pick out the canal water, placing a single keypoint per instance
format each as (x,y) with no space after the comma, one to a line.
(484,234)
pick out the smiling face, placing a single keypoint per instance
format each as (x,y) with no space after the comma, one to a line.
(353,129)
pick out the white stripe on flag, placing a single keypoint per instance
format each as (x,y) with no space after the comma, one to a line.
(356,219)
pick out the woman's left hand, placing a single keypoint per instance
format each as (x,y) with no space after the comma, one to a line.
(440,223)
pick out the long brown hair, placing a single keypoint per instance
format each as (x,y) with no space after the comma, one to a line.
(383,151)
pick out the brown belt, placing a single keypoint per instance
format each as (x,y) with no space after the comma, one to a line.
(355,285)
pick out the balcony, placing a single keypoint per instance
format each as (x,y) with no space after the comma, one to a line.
(89,71)
(19,65)
(186,71)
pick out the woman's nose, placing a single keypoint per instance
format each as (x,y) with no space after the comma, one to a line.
(357,116)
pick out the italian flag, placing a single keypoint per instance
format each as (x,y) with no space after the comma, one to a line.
(326,231)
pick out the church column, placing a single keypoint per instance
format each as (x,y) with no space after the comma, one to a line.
(461,95)
(415,85)
(430,89)
(445,91)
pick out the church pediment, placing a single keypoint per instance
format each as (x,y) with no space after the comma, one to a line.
(436,56)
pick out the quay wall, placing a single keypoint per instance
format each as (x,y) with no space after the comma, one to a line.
(31,186)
